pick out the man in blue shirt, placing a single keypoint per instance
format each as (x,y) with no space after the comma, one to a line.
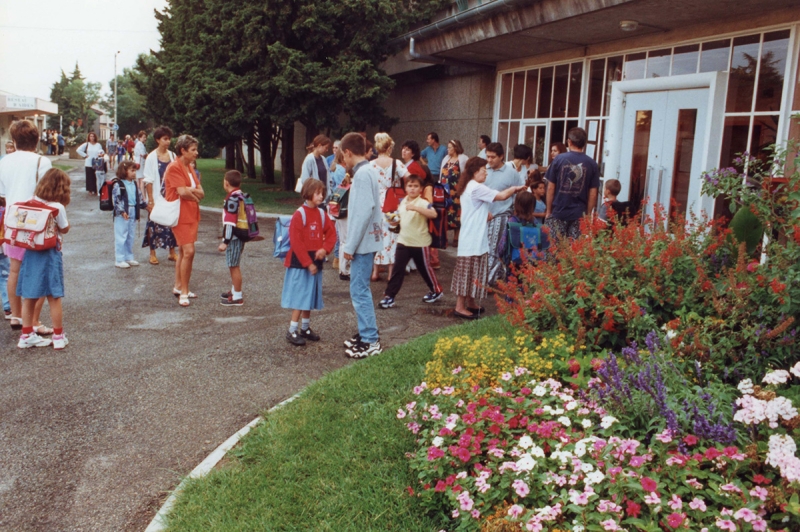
(499,176)
(329,159)
(572,182)
(434,155)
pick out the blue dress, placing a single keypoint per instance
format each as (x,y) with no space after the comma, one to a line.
(159,236)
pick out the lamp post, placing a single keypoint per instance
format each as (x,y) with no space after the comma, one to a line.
(115,90)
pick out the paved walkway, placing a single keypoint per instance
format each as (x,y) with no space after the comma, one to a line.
(93,438)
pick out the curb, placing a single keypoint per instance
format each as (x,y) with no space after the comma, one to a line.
(159,522)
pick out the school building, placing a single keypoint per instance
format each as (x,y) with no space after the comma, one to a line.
(14,107)
(665,89)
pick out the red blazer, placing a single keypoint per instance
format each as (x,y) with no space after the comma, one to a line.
(310,238)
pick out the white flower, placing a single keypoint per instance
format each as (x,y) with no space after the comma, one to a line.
(746,387)
(607,421)
(558,411)
(595,477)
(779,376)
(539,391)
(525,442)
(438,441)
(586,423)
(564,420)
(580,449)
(796,370)
(572,405)
(537,451)
(526,463)
(586,467)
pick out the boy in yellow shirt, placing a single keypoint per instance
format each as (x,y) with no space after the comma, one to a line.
(413,243)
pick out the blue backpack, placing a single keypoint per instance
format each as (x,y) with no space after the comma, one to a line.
(280,239)
(521,236)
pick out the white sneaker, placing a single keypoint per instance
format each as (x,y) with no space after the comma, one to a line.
(132,263)
(32,340)
(60,341)
(122,265)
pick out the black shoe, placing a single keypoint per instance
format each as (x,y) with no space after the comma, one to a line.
(308,334)
(432,297)
(344,277)
(230,302)
(347,343)
(294,338)
(226,295)
(477,311)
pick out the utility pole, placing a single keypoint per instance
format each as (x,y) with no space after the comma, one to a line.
(115,93)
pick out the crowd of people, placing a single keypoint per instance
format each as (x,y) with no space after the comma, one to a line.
(388,224)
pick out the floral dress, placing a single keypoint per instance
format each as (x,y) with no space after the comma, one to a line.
(159,236)
(451,173)
(386,254)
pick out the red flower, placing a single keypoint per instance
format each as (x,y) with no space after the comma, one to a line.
(690,440)
(761,479)
(410,490)
(440,486)
(712,453)
(633,509)
(675,520)
(525,391)
(777,286)
(574,366)
(648,484)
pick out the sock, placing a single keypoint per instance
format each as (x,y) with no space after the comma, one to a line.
(292,326)
(59,331)
(236,295)
(27,330)
(306,323)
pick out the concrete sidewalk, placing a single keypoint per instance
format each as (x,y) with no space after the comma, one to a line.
(92,438)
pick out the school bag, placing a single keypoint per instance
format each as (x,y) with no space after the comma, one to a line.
(437,227)
(31,225)
(280,239)
(337,204)
(246,219)
(520,236)
(394,194)
(106,199)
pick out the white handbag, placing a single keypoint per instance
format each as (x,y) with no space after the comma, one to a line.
(165,212)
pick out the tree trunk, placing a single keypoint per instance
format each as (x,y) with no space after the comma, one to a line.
(287,157)
(267,153)
(230,156)
(251,155)
(239,156)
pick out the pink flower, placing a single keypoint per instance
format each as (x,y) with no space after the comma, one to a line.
(476,514)
(610,525)
(693,482)
(726,524)
(515,511)
(457,370)
(520,487)
(746,514)
(578,497)
(520,371)
(665,437)
(648,484)
(506,376)
(690,440)
(759,493)
(675,503)
(466,502)
(637,461)
(759,525)
(434,453)
(652,499)
(697,504)
(730,487)
(675,520)
(401,413)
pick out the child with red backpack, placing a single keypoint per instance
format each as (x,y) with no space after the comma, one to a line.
(42,271)
(239,226)
(128,205)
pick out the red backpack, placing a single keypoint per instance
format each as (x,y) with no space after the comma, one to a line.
(31,225)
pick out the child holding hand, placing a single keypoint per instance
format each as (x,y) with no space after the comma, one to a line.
(311,240)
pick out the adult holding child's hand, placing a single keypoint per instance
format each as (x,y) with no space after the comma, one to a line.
(182,182)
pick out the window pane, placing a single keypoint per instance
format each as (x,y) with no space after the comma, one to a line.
(560,91)
(734,138)
(715,55)
(600,140)
(684,59)
(634,66)
(517,95)
(534,139)
(596,70)
(770,73)
(613,73)
(545,92)
(641,152)
(658,63)
(502,133)
(505,96)
(741,80)
(765,129)
(575,80)
(682,164)
(513,140)
(531,90)
(557,131)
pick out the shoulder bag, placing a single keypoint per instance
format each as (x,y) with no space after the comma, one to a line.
(165,212)
(394,194)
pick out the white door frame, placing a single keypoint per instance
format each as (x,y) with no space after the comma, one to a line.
(716,82)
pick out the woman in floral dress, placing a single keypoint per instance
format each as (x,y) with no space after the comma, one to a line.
(452,168)
(158,236)
(384,164)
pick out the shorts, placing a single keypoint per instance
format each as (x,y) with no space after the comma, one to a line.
(233,253)
(14,252)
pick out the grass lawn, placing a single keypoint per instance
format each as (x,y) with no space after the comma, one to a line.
(333,460)
(65,168)
(268,198)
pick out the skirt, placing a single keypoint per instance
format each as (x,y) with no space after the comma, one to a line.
(158,236)
(41,274)
(301,290)
(185,233)
(470,275)
(385,255)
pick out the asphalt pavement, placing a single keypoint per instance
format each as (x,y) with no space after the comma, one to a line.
(92,438)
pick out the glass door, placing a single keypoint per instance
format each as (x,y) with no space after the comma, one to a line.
(534,136)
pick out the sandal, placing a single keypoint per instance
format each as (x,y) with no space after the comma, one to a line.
(173,257)
(183,300)
(177,293)
(16,323)
(42,330)
(470,316)
(476,310)
(153,260)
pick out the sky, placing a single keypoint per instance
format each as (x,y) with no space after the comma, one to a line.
(39,38)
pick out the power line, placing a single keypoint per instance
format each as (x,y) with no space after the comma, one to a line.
(77,29)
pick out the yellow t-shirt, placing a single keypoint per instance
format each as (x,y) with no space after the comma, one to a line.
(413,226)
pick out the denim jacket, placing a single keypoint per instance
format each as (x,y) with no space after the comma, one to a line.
(119,194)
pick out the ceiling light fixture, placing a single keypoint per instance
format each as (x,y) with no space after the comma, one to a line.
(628,25)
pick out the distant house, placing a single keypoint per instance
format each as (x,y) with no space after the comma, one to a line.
(14,107)
(665,90)
(102,123)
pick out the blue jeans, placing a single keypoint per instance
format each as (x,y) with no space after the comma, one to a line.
(5,266)
(124,233)
(360,293)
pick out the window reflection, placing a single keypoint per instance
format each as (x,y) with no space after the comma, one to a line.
(684,59)
(596,70)
(575,80)
(658,62)
(505,95)
(682,163)
(545,92)
(634,66)
(560,91)
(531,92)
(770,73)
(715,55)
(641,152)
(742,77)
(518,95)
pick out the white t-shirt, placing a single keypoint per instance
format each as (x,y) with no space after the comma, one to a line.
(18,175)
(61,218)
(139,156)
(475,201)
(90,151)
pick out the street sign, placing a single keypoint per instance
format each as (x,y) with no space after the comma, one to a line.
(115,127)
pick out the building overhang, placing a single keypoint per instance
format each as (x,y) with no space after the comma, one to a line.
(519,29)
(26,106)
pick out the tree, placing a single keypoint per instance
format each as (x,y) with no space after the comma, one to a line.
(130,104)
(75,98)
